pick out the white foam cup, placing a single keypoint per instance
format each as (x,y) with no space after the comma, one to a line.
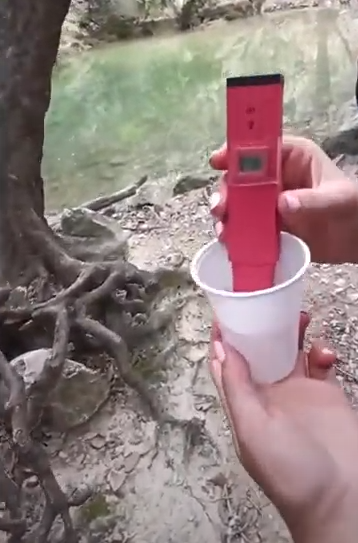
(263,325)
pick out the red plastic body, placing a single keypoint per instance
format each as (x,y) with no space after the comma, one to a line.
(254,145)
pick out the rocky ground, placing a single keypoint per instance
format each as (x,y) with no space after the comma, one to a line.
(183,484)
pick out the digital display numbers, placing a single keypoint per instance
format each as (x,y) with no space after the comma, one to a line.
(250,163)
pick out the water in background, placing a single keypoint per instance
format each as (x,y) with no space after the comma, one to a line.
(158,106)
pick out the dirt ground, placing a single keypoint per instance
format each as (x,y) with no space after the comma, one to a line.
(188,487)
(191,487)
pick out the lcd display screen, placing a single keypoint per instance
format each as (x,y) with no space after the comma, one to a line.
(250,163)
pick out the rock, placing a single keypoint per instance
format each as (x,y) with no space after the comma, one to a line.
(94,250)
(79,392)
(18,297)
(94,236)
(117,161)
(86,223)
(116,480)
(155,193)
(190,182)
(345,140)
(98,442)
(89,22)
(230,10)
(159,191)
(54,221)
(131,461)
(343,143)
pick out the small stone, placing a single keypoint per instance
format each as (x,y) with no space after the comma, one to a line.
(204,403)
(116,480)
(135,439)
(154,193)
(117,161)
(98,442)
(190,182)
(131,461)
(117,463)
(91,435)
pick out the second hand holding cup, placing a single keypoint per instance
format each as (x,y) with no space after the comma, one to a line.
(254,280)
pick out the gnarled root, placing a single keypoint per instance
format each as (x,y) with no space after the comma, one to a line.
(106,307)
(31,457)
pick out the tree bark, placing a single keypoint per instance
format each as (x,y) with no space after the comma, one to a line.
(29,39)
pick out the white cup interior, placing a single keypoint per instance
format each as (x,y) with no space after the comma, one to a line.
(212,271)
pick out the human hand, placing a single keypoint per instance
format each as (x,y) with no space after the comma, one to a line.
(319,203)
(298,439)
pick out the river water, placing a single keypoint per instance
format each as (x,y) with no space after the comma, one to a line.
(157,106)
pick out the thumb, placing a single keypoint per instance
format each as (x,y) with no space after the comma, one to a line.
(302,201)
(337,197)
(241,396)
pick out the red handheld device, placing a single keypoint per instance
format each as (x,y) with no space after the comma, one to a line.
(254,145)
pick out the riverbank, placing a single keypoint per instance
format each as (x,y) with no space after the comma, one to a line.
(87,27)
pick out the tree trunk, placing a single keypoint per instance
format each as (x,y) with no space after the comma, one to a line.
(29,39)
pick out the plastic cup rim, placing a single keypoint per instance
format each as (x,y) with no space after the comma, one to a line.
(239,295)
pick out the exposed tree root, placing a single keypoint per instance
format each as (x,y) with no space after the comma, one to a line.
(67,301)
(103,306)
(22,411)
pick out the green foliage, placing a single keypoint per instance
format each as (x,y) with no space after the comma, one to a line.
(96,507)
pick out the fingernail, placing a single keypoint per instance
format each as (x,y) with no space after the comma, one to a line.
(291,202)
(214,200)
(327,351)
(219,351)
(219,229)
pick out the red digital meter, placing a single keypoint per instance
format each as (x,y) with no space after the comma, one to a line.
(254,144)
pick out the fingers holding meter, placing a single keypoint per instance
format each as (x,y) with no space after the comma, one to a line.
(253,178)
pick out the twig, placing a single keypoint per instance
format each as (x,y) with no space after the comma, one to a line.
(338,159)
(105,201)
(346,374)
